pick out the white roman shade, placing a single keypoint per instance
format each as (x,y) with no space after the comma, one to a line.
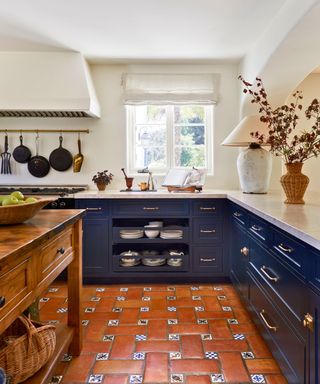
(166,89)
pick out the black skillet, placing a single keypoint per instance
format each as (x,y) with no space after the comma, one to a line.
(38,166)
(21,153)
(60,158)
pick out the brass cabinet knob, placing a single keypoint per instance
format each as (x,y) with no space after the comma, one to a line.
(244,251)
(308,322)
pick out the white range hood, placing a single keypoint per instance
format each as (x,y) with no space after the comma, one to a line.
(46,84)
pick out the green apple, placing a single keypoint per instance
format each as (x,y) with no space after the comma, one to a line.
(18,195)
(2,197)
(30,200)
(10,200)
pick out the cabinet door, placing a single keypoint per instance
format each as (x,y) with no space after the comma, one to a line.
(314,336)
(95,248)
(239,246)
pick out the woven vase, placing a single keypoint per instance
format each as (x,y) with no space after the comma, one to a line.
(294,183)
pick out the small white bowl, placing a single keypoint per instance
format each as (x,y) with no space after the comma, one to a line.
(156,223)
(151,233)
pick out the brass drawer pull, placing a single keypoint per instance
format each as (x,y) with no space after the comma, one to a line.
(151,208)
(285,248)
(244,251)
(207,260)
(256,228)
(61,250)
(93,209)
(207,231)
(2,301)
(308,322)
(264,269)
(262,314)
(237,214)
(207,208)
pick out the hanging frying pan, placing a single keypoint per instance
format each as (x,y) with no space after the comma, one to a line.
(21,153)
(38,166)
(60,158)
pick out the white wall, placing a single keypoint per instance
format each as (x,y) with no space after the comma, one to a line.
(105,146)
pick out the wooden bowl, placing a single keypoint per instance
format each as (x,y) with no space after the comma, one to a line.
(16,214)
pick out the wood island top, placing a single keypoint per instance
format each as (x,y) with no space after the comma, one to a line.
(15,239)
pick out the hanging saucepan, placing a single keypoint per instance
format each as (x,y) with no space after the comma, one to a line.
(21,153)
(60,158)
(38,166)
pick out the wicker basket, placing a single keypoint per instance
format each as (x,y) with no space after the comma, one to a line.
(25,347)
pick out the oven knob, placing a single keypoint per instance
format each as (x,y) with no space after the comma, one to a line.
(62,204)
(54,204)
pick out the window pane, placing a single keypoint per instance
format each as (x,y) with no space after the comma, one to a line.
(152,157)
(148,135)
(190,156)
(150,114)
(194,135)
(189,114)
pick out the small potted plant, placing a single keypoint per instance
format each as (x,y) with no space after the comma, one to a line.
(102,179)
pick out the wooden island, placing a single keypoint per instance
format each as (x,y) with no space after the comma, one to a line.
(32,255)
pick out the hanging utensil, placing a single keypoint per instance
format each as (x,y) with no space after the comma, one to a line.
(5,158)
(78,158)
(60,158)
(38,166)
(125,175)
(21,153)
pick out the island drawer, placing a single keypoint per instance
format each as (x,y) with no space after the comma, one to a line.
(207,230)
(207,259)
(95,208)
(150,208)
(207,207)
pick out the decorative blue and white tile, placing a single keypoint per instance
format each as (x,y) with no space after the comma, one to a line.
(143,322)
(196,297)
(202,321)
(62,310)
(57,379)
(89,309)
(44,299)
(171,298)
(211,355)
(257,379)
(138,356)
(123,289)
(171,288)
(108,338)
(247,355)
(222,297)
(135,379)
(199,309)
(173,336)
(116,309)
(146,298)
(147,289)
(53,289)
(141,337)
(100,289)
(172,321)
(176,378)
(120,298)
(172,309)
(206,336)
(227,309)
(194,288)
(102,356)
(66,358)
(175,355)
(233,321)
(144,309)
(238,336)
(95,379)
(217,378)
(217,288)
(113,323)
(85,323)
(95,298)
(54,322)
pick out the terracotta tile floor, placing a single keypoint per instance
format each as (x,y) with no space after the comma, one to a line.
(158,334)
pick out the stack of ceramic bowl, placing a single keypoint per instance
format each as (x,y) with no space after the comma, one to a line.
(154,262)
(151,231)
(129,259)
(175,262)
(169,234)
(131,233)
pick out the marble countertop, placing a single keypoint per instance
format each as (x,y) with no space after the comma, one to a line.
(301,221)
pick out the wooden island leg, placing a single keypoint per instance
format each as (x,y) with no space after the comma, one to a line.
(75,290)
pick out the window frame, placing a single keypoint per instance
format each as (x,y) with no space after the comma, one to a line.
(130,145)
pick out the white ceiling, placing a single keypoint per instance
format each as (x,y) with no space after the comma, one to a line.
(137,30)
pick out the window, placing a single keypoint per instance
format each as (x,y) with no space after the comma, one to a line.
(173,136)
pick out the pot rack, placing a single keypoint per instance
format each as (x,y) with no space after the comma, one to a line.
(45,130)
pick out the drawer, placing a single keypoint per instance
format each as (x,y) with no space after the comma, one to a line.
(15,285)
(239,215)
(207,207)
(207,230)
(207,259)
(150,208)
(54,252)
(96,208)
(284,284)
(259,229)
(285,344)
(290,251)
(314,266)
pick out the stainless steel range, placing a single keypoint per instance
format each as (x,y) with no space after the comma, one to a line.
(66,193)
